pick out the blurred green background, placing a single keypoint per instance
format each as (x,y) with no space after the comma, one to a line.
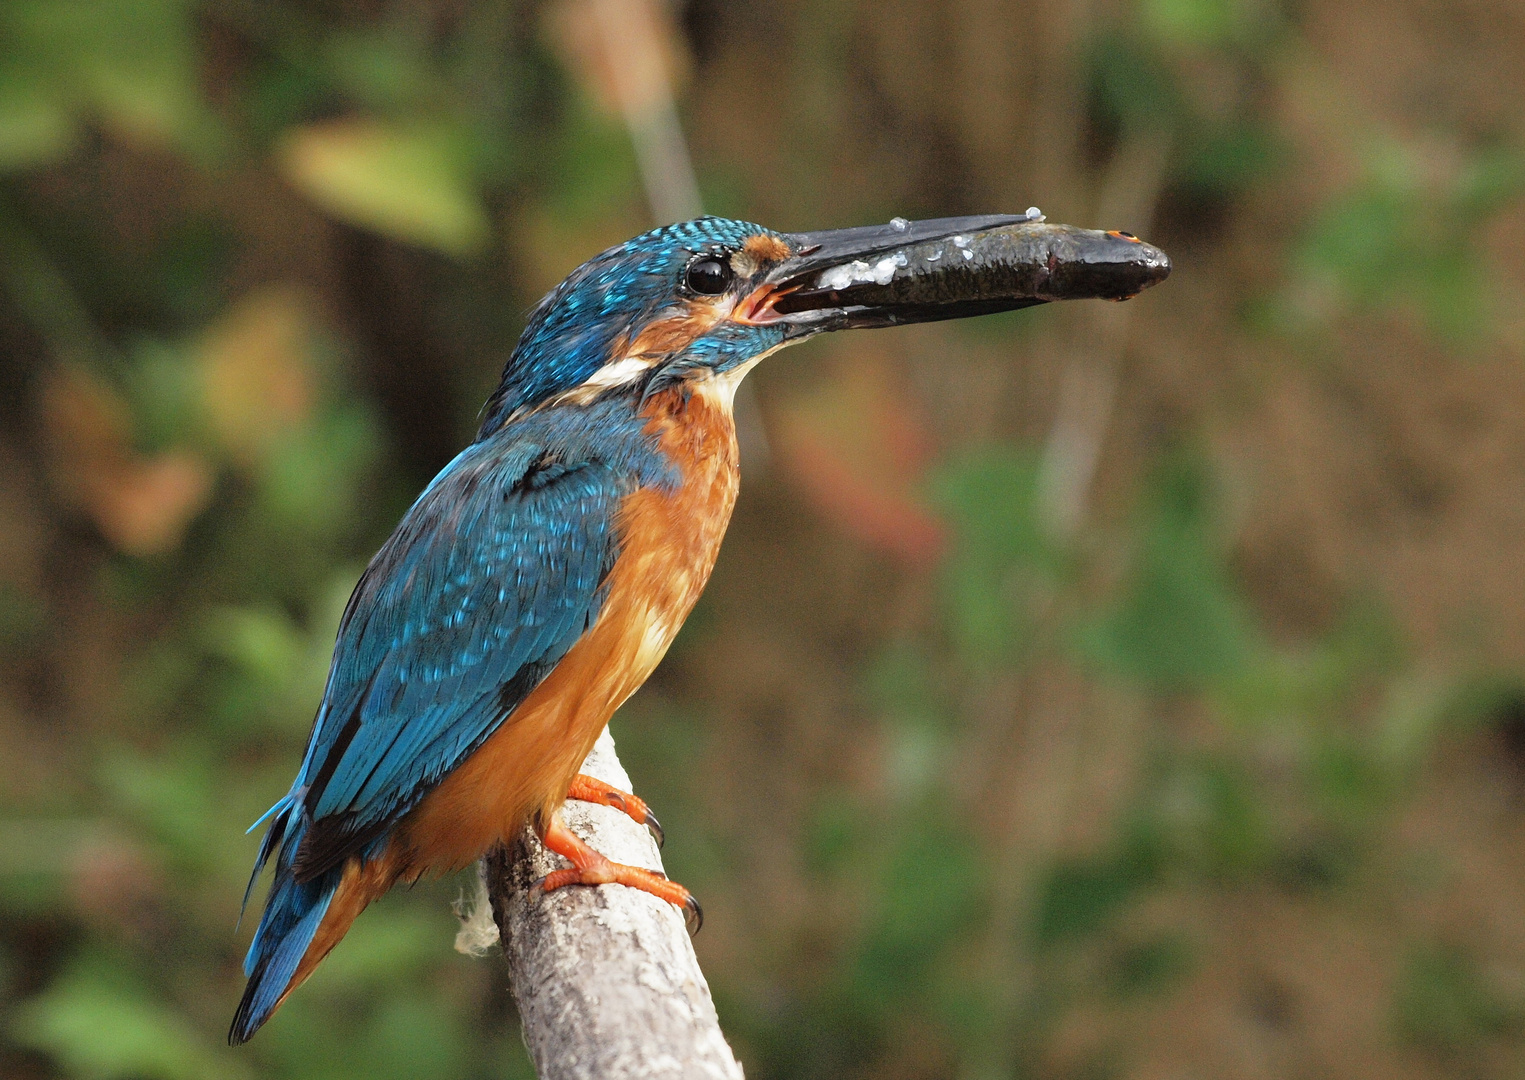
(1092,692)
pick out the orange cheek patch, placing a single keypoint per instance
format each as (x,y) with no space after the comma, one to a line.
(667,336)
(766,248)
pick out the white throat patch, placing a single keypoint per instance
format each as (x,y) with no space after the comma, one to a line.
(721,388)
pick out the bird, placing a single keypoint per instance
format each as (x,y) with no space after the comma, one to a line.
(541,576)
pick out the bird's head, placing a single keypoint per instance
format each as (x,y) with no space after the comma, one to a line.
(706,299)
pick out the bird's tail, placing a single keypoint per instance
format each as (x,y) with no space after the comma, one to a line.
(303,920)
(293,913)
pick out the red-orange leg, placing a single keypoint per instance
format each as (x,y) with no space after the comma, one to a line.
(590,868)
(586,789)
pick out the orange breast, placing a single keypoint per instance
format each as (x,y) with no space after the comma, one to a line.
(668,544)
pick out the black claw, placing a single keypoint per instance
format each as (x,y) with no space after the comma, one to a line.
(656,828)
(693,916)
(537,887)
(616,800)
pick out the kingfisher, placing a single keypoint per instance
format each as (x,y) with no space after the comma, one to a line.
(540,577)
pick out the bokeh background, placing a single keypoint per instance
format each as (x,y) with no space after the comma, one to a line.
(1096,691)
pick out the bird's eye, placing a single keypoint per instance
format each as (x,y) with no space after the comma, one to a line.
(708,276)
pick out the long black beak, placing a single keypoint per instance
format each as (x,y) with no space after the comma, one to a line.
(951,268)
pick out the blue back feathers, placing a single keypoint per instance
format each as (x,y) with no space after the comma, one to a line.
(490,578)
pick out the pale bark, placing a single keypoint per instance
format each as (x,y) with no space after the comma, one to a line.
(605,977)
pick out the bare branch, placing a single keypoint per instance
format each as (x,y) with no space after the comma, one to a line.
(606,979)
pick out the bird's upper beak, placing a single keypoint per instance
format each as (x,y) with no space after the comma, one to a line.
(949,268)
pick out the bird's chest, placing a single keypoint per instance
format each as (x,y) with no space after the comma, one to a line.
(669,539)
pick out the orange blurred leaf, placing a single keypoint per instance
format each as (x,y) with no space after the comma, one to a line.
(256,375)
(859,450)
(144,508)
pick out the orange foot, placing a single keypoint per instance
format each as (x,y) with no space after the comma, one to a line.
(590,868)
(587,789)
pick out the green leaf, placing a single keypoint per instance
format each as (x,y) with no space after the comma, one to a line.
(412,182)
(128,63)
(1000,557)
(311,476)
(1180,624)
(262,641)
(1444,1003)
(382,69)
(1150,967)
(1194,22)
(931,896)
(1131,87)
(1081,896)
(1397,241)
(1224,159)
(36,128)
(1492,179)
(394,940)
(99,1025)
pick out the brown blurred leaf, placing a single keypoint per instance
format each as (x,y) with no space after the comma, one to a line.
(656,61)
(407,181)
(114,882)
(141,505)
(859,450)
(256,373)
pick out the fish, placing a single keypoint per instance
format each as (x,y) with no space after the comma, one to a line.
(1003,268)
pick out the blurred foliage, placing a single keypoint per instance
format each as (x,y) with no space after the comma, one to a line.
(1400,238)
(126,64)
(258,265)
(1446,1004)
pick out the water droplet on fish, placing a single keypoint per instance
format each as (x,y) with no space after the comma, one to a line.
(899,224)
(1034,214)
(967,253)
(960,241)
(934,256)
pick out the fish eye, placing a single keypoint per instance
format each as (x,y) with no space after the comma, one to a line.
(709,277)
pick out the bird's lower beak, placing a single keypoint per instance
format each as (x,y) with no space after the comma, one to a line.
(949,268)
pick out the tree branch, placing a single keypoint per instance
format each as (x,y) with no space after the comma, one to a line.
(606,979)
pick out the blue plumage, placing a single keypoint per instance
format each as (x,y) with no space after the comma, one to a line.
(292,914)
(494,572)
(492,575)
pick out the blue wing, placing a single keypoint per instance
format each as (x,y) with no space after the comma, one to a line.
(494,573)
